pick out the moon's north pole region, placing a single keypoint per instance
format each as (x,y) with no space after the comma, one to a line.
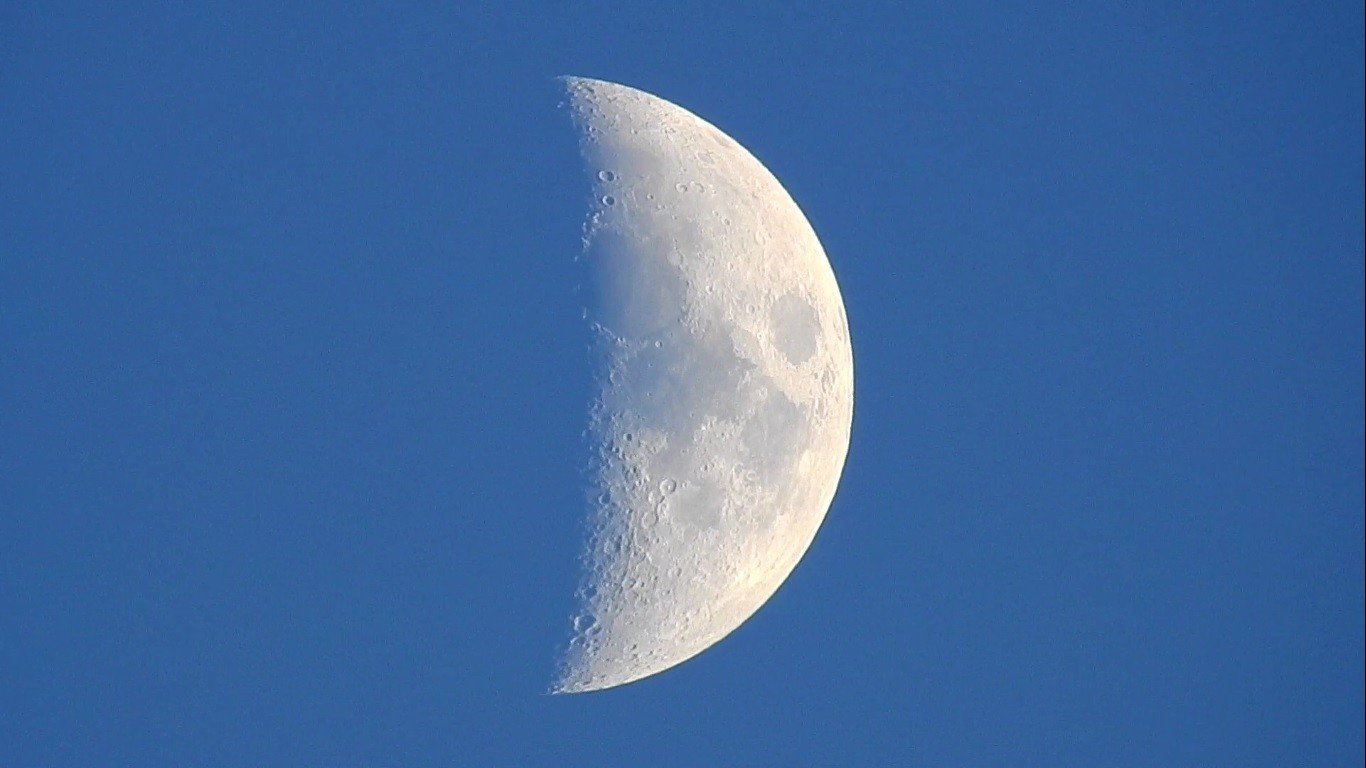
(726,384)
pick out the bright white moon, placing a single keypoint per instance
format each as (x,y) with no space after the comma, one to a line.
(726,390)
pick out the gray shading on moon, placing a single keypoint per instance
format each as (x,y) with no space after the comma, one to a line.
(725,387)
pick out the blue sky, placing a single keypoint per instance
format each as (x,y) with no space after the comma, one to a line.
(292,379)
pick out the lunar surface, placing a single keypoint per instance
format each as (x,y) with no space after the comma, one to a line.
(725,392)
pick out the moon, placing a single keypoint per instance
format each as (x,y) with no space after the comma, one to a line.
(725,387)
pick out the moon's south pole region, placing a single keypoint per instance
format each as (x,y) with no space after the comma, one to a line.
(725,387)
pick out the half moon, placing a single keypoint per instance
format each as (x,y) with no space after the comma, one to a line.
(726,387)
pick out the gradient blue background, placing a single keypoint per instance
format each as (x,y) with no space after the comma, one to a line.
(292,377)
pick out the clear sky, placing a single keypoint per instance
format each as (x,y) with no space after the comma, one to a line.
(292,378)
